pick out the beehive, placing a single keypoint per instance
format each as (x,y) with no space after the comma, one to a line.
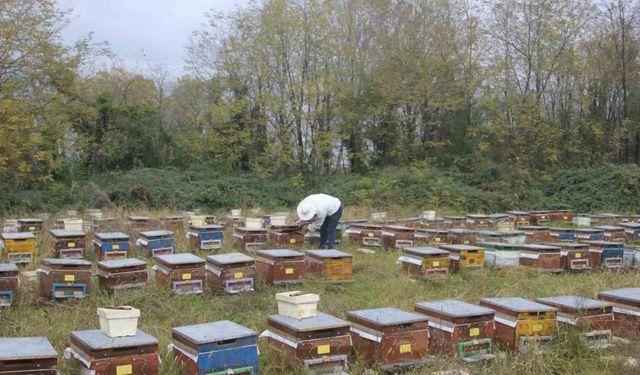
(67,244)
(287,236)
(366,235)
(231,273)
(111,245)
(32,225)
(119,274)
(320,345)
(521,323)
(27,355)
(205,237)
(536,234)
(280,266)
(9,282)
(455,221)
(461,236)
(138,224)
(427,262)
(156,242)
(392,338)
(250,239)
(540,217)
(563,234)
(172,223)
(519,218)
(183,273)
(512,238)
(459,328)
(397,236)
(96,353)
(202,220)
(70,224)
(222,347)
(631,231)
(542,257)
(596,316)
(64,278)
(478,221)
(581,220)
(411,222)
(562,216)
(437,223)
(589,234)
(612,232)
(626,311)
(575,256)
(606,254)
(105,225)
(333,265)
(432,236)
(500,255)
(605,218)
(464,256)
(19,247)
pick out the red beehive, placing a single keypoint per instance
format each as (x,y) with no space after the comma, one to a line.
(395,236)
(626,311)
(542,257)
(231,273)
(287,236)
(184,273)
(280,266)
(250,239)
(536,234)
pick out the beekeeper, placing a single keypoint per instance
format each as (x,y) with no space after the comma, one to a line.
(321,212)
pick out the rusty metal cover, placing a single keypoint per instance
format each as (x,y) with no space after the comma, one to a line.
(213,332)
(17,236)
(575,303)
(328,254)
(229,258)
(20,348)
(387,316)
(66,233)
(321,321)
(182,258)
(112,236)
(455,308)
(96,340)
(518,305)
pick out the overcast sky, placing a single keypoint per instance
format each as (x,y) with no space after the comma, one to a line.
(142,32)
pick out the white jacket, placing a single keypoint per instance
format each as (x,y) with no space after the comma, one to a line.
(325,205)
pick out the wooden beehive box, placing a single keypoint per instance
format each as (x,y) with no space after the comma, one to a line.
(202,220)
(67,244)
(464,256)
(455,221)
(605,218)
(222,347)
(70,224)
(333,265)
(459,328)
(27,355)
(500,255)
(425,262)
(64,278)
(575,256)
(393,338)
(562,216)
(596,316)
(119,274)
(234,221)
(536,234)
(320,345)
(563,234)
(432,236)
(105,224)
(99,354)
(589,234)
(521,323)
(250,239)
(397,236)
(631,231)
(9,282)
(540,217)
(32,225)
(172,223)
(411,222)
(519,218)
(437,223)
(138,224)
(461,236)
(156,242)
(183,273)
(312,239)
(366,235)
(626,311)
(499,218)
(206,236)
(111,245)
(478,221)
(612,232)
(542,257)
(287,236)
(606,254)
(280,266)
(511,238)
(231,273)
(19,247)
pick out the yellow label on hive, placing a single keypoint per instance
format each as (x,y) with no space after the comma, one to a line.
(466,242)
(436,264)
(124,370)
(186,276)
(565,217)
(537,327)
(370,234)
(115,247)
(473,332)
(32,228)
(293,240)
(71,245)
(324,349)
(438,239)
(69,278)
(238,275)
(578,255)
(405,348)
(288,271)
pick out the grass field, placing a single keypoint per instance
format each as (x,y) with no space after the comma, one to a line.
(379,282)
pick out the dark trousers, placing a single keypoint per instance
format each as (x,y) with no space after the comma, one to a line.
(328,230)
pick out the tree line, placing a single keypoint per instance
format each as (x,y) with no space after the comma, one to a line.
(319,87)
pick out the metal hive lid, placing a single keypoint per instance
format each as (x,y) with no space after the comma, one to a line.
(30,220)
(182,258)
(66,233)
(460,247)
(575,302)
(518,304)
(15,348)
(609,227)
(533,227)
(212,332)
(156,233)
(230,258)
(533,246)
(629,294)
(425,250)
(96,340)
(279,253)
(17,236)
(328,253)
(455,308)
(8,267)
(320,321)
(112,236)
(569,245)
(117,263)
(388,316)
(139,218)
(65,262)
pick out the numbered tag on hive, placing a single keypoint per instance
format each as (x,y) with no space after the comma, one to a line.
(124,370)
(186,276)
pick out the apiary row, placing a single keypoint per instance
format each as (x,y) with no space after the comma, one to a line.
(321,343)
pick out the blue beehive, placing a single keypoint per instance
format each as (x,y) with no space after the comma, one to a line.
(216,348)
(157,242)
(206,237)
(111,245)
